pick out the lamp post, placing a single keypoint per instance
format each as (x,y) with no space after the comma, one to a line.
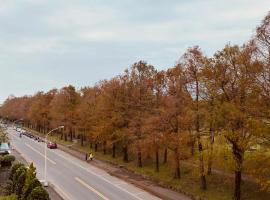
(45,146)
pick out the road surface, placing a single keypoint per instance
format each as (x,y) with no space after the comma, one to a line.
(73,178)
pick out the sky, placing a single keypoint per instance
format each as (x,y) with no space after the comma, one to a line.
(47,44)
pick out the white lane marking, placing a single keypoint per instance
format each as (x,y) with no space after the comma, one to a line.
(61,192)
(120,184)
(95,174)
(90,188)
(140,193)
(101,177)
(40,154)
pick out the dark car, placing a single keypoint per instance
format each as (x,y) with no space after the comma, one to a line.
(52,145)
(26,134)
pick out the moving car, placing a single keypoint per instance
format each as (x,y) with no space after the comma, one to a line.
(52,145)
(4,149)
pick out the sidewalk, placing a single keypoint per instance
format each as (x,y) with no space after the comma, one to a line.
(135,179)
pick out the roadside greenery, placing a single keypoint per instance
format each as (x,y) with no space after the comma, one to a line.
(7,160)
(22,184)
(25,185)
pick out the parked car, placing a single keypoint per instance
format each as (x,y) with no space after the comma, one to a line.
(18,129)
(4,148)
(52,145)
(28,134)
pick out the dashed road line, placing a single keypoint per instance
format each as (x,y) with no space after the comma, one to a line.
(97,175)
(91,172)
(62,193)
(40,154)
(90,188)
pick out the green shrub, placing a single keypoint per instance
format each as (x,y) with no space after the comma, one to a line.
(31,181)
(7,160)
(25,184)
(11,197)
(14,169)
(19,180)
(38,193)
(28,188)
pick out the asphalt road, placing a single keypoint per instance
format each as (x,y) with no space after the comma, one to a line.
(73,178)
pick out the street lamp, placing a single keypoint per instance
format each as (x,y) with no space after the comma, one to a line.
(45,146)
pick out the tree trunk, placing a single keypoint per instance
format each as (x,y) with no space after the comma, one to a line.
(125,151)
(177,164)
(237,188)
(71,134)
(65,137)
(104,147)
(165,156)
(113,150)
(157,160)
(202,174)
(197,126)
(210,158)
(238,156)
(96,147)
(139,157)
(81,140)
(193,142)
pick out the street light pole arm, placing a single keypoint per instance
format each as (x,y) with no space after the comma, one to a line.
(60,127)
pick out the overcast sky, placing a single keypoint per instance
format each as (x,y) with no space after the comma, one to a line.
(53,43)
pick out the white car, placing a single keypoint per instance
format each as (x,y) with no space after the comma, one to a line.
(4,149)
(18,130)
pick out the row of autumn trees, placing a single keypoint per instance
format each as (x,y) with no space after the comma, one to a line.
(145,111)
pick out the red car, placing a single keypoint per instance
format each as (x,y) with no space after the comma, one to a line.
(52,145)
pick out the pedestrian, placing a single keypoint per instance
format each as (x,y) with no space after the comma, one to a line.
(91,156)
(86,156)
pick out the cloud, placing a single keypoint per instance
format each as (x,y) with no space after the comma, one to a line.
(80,42)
